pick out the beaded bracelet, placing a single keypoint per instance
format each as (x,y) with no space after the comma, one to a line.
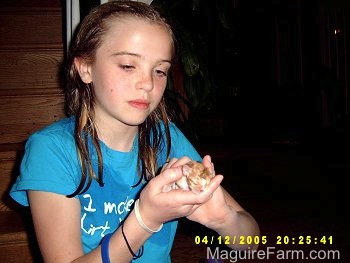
(105,248)
(140,253)
(140,221)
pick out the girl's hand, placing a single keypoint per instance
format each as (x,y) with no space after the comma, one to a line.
(160,203)
(214,211)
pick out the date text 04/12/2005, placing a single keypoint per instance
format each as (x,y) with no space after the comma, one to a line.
(257,240)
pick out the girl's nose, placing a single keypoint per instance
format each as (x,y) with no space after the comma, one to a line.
(146,82)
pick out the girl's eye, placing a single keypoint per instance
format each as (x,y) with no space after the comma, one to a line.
(127,67)
(161,73)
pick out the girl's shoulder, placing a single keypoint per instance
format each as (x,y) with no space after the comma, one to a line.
(175,131)
(180,144)
(65,125)
(61,131)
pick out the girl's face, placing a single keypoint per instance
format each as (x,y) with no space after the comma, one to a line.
(129,73)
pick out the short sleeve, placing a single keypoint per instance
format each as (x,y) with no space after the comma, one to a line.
(49,164)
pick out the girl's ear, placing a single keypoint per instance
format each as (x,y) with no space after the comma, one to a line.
(84,70)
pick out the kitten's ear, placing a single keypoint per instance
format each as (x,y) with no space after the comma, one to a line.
(187,168)
(84,70)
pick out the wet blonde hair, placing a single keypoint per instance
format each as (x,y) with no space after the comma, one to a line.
(80,96)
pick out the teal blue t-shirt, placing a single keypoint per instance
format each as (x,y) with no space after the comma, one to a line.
(50,163)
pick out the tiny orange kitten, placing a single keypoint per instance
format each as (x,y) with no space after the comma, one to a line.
(196,177)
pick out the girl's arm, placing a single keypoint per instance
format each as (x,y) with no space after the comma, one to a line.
(57,218)
(223,214)
(57,225)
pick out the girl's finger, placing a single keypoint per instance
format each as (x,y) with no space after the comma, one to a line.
(168,175)
(208,163)
(179,162)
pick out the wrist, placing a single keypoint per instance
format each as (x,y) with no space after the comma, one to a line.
(219,222)
(149,228)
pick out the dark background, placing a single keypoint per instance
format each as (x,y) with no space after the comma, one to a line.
(278,128)
(281,71)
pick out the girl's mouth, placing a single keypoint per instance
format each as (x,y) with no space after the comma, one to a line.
(139,104)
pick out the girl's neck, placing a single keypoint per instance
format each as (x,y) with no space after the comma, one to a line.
(117,136)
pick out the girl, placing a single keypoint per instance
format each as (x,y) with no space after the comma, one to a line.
(90,179)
